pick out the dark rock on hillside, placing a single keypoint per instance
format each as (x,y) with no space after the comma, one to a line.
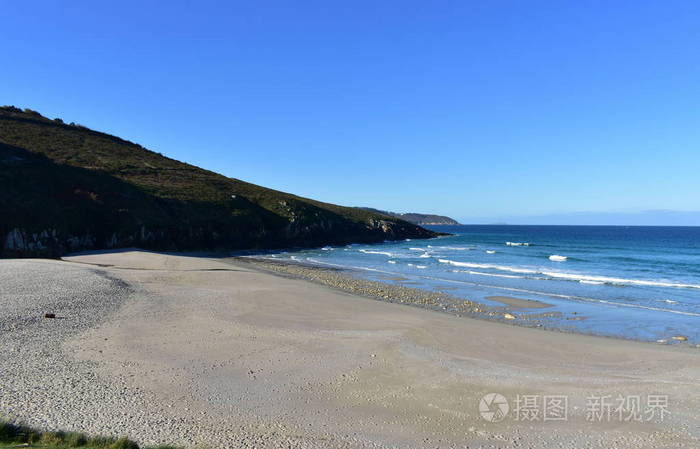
(64,187)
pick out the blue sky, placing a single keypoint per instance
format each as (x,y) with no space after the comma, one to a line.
(475,109)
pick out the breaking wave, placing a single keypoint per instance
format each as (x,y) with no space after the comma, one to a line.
(383,253)
(572,276)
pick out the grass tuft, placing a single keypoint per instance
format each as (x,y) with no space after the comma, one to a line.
(12,435)
(123,443)
(76,439)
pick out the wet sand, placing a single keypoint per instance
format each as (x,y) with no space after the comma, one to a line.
(519,303)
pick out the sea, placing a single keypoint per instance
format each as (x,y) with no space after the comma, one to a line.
(635,282)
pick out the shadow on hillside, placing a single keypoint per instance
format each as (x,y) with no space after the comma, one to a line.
(98,210)
(61,208)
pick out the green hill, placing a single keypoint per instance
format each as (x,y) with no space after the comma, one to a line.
(64,187)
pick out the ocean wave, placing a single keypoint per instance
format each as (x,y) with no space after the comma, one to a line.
(518,244)
(490,251)
(510,276)
(316,261)
(557,258)
(382,253)
(574,297)
(327,248)
(522,290)
(488,266)
(417,249)
(417,266)
(425,255)
(391,261)
(617,281)
(583,278)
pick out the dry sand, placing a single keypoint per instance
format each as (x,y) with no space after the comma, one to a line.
(229,356)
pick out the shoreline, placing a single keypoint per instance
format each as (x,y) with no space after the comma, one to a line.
(526,313)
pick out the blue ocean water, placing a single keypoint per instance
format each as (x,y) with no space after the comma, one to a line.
(632,282)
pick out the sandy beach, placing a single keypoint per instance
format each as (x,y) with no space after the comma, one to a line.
(205,351)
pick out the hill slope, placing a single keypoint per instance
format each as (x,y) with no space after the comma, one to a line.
(67,188)
(417,218)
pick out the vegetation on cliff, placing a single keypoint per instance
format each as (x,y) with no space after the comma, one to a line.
(418,218)
(64,187)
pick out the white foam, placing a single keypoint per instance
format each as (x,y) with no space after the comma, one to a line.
(518,243)
(616,281)
(417,266)
(580,298)
(327,248)
(316,261)
(418,249)
(488,266)
(490,251)
(391,261)
(583,278)
(583,281)
(424,256)
(510,276)
(557,258)
(383,253)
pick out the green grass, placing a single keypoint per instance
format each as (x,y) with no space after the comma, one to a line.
(91,190)
(14,436)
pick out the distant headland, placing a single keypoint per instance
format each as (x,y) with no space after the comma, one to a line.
(417,218)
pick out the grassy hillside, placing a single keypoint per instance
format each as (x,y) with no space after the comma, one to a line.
(64,187)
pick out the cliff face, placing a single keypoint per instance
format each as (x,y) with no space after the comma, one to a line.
(67,188)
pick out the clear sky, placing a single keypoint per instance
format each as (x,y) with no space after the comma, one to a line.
(474,109)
